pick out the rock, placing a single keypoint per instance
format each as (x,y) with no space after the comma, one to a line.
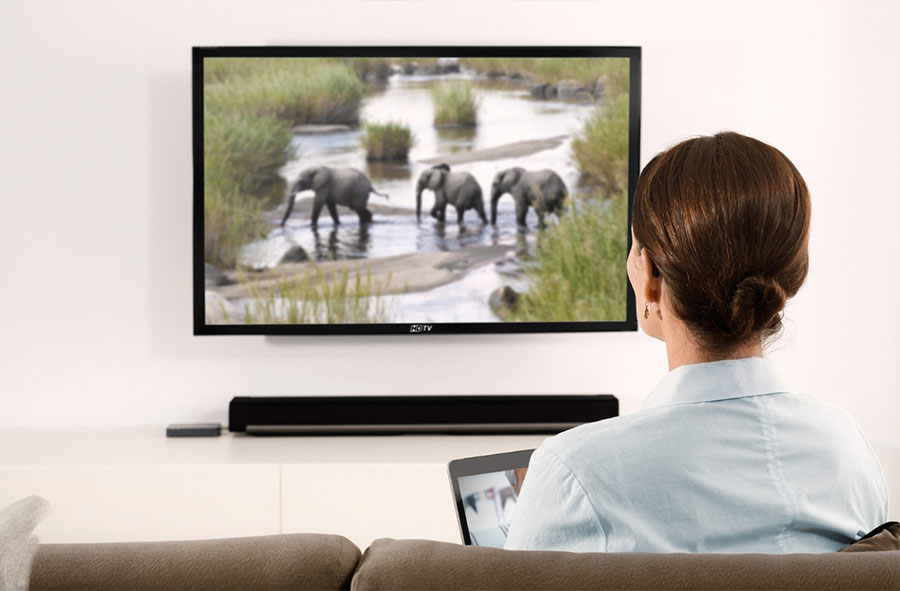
(583,95)
(550,92)
(219,310)
(448,65)
(599,88)
(503,300)
(214,277)
(295,254)
(410,68)
(566,89)
(320,129)
(539,91)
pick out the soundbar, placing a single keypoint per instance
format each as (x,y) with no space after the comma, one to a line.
(370,415)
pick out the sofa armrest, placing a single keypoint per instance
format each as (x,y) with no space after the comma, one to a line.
(421,564)
(290,561)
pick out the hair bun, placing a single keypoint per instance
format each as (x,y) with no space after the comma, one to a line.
(755,305)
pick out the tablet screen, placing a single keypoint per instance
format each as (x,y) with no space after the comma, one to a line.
(486,500)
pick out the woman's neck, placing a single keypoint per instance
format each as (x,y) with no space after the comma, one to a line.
(682,349)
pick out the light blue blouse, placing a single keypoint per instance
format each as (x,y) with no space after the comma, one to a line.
(721,458)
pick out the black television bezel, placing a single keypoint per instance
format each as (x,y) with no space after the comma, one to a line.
(634,134)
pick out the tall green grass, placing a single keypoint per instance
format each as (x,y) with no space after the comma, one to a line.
(600,149)
(298,90)
(387,141)
(586,71)
(455,103)
(241,159)
(317,297)
(578,273)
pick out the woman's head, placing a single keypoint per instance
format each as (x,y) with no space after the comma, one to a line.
(721,227)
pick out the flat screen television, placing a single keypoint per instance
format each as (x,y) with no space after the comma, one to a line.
(425,190)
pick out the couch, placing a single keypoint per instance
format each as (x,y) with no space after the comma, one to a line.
(320,562)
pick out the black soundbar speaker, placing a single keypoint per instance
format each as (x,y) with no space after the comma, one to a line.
(368,415)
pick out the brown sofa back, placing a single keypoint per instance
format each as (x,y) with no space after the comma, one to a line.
(293,562)
(421,564)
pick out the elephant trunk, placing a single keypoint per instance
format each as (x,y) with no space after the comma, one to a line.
(495,197)
(418,204)
(289,208)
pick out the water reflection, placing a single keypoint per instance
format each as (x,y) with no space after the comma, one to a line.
(451,140)
(378,170)
(350,243)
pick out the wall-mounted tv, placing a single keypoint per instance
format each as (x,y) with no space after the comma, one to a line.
(357,190)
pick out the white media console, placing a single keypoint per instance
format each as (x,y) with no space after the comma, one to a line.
(112,485)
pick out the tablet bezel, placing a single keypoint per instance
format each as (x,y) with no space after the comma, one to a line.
(510,460)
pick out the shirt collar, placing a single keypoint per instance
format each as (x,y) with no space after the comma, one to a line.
(717,380)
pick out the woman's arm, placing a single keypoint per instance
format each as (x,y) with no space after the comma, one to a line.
(553,512)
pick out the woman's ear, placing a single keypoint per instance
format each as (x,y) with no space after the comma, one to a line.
(652,278)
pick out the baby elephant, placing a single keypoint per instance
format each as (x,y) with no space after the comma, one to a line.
(543,190)
(334,186)
(459,189)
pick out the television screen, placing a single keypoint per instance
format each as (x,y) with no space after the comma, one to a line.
(413,189)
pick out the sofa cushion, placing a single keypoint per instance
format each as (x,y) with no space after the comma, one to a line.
(290,561)
(420,564)
(883,537)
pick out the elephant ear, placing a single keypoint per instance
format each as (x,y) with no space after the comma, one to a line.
(320,178)
(512,176)
(436,177)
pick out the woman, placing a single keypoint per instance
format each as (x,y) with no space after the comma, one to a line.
(722,457)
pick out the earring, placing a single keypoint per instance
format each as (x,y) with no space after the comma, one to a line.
(646,310)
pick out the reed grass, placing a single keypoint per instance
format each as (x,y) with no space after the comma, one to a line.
(387,141)
(297,90)
(578,273)
(455,104)
(317,297)
(600,149)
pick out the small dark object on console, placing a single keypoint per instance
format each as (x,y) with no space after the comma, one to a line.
(194,430)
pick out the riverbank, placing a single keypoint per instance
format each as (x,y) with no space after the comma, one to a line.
(510,150)
(406,273)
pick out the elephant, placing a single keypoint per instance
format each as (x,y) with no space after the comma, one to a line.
(459,189)
(333,187)
(543,190)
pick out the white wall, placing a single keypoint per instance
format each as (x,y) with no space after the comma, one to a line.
(95,224)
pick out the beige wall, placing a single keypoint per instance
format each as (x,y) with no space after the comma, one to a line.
(95,224)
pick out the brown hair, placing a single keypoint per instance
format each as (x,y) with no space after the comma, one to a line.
(725,220)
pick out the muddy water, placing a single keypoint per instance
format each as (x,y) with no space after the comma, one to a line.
(506,114)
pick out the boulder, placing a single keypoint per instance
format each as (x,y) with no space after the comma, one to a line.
(583,95)
(447,65)
(410,68)
(550,92)
(503,300)
(539,91)
(566,89)
(599,88)
(295,254)
(214,277)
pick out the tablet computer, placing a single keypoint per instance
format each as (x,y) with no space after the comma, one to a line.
(485,489)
